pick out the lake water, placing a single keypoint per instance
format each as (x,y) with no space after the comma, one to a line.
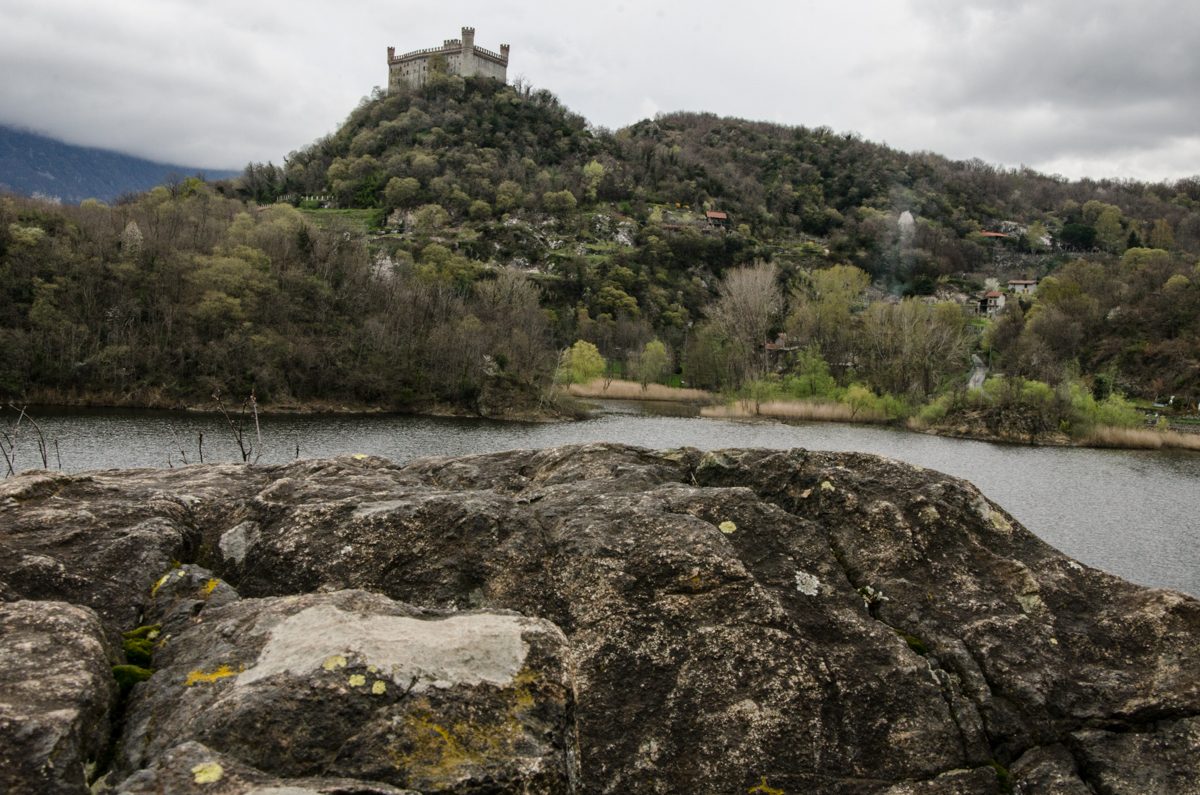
(1133,513)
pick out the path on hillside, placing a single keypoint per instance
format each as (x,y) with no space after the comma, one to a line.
(978,372)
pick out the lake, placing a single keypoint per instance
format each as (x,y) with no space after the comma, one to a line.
(1131,512)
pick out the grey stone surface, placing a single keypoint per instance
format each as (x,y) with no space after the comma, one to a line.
(193,769)
(353,684)
(1165,758)
(783,620)
(56,694)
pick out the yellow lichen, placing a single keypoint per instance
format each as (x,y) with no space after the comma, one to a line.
(359,457)
(208,772)
(212,676)
(208,587)
(1001,523)
(334,661)
(727,527)
(827,486)
(159,584)
(764,789)
(357,680)
(379,688)
(435,752)
(371,669)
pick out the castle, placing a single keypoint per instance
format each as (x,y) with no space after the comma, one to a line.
(462,58)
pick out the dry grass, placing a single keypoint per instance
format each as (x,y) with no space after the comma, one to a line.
(1141,439)
(629,390)
(794,410)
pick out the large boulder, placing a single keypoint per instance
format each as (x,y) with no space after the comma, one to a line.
(101,539)
(354,685)
(739,620)
(56,697)
(193,769)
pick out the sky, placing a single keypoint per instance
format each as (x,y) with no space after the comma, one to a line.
(1097,88)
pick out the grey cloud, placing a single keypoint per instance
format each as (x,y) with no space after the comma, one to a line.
(1099,86)
(1054,79)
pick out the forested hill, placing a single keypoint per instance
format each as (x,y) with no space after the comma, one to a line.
(32,163)
(447,244)
(462,142)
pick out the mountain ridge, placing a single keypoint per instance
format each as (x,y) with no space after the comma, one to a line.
(32,163)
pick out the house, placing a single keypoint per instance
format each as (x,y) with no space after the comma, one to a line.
(991,304)
(1022,286)
(777,351)
(716,219)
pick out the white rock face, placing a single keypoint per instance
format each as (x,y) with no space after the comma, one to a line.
(236,541)
(470,649)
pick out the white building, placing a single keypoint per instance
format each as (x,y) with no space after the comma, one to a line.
(463,58)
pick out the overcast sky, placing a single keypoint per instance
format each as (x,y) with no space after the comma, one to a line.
(1097,88)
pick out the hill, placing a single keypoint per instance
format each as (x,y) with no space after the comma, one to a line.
(446,245)
(32,163)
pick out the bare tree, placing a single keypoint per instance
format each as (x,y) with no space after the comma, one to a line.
(744,313)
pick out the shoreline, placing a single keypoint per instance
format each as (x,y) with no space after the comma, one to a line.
(790,412)
(785,412)
(298,408)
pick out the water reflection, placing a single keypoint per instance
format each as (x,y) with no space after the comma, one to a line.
(1133,513)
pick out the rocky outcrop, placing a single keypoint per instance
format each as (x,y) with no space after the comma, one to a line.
(57,693)
(740,620)
(355,685)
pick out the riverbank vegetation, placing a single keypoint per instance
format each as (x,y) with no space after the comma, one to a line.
(449,248)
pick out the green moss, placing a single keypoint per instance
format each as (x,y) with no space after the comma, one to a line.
(139,643)
(148,632)
(914,643)
(129,675)
(1002,775)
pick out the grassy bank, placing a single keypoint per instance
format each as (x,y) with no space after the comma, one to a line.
(800,411)
(1141,439)
(629,390)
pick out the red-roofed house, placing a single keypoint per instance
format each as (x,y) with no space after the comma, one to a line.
(716,219)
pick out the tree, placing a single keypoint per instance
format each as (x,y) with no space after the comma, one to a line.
(744,312)
(584,362)
(823,307)
(432,217)
(593,173)
(1109,232)
(1078,236)
(508,195)
(400,192)
(650,363)
(1160,235)
(1035,236)
(560,202)
(480,211)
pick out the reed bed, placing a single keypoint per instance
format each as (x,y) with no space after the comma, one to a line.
(794,410)
(1141,439)
(630,390)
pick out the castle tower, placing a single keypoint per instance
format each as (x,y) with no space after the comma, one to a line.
(463,58)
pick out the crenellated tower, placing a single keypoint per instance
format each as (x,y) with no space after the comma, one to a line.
(462,58)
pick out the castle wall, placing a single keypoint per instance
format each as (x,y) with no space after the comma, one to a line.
(463,58)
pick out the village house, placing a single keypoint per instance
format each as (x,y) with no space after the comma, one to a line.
(991,304)
(716,219)
(1022,286)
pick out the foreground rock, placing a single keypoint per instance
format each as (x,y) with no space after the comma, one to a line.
(744,620)
(355,685)
(193,769)
(56,696)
